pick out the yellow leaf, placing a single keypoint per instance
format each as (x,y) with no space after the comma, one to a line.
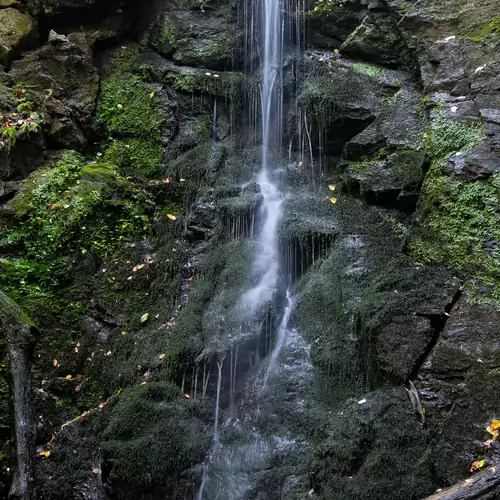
(136,268)
(44,453)
(333,200)
(493,429)
(171,217)
(78,345)
(144,317)
(478,464)
(162,356)
(151,95)
(331,187)
(68,377)
(495,424)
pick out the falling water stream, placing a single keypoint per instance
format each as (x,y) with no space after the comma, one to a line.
(255,433)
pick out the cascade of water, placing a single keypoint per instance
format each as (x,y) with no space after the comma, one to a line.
(266,263)
(280,337)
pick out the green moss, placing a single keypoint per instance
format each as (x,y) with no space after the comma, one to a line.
(134,114)
(77,204)
(169,34)
(220,84)
(140,156)
(478,34)
(218,48)
(369,69)
(446,136)
(459,221)
(129,106)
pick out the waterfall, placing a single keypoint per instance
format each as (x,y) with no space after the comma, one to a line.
(223,476)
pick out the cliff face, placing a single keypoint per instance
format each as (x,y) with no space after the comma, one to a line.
(127,143)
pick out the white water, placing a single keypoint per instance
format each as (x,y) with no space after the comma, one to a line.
(266,272)
(280,337)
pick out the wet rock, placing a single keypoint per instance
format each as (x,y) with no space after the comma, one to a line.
(478,163)
(17,32)
(193,38)
(378,40)
(65,89)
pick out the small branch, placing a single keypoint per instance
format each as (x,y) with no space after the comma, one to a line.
(408,12)
(483,485)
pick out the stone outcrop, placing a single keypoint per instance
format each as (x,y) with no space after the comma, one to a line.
(130,254)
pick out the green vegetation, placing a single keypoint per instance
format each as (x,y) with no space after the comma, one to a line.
(136,155)
(20,123)
(369,69)
(226,85)
(459,220)
(218,48)
(86,205)
(478,34)
(69,206)
(132,112)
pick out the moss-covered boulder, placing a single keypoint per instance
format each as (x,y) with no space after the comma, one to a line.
(194,38)
(62,85)
(17,31)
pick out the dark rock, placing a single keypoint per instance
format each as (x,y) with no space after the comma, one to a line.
(17,33)
(478,163)
(193,38)
(65,87)
(378,40)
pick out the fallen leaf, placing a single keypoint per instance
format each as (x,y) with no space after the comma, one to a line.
(162,356)
(363,401)
(299,164)
(331,187)
(124,332)
(96,470)
(55,362)
(68,377)
(83,420)
(190,278)
(77,388)
(80,377)
(495,424)
(139,266)
(488,443)
(166,181)
(182,180)
(144,317)
(151,95)
(171,217)
(44,453)
(333,200)
(187,396)
(478,464)
(494,428)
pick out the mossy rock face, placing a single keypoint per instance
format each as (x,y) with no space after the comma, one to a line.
(62,84)
(377,39)
(153,434)
(393,180)
(193,38)
(16,30)
(457,220)
(138,114)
